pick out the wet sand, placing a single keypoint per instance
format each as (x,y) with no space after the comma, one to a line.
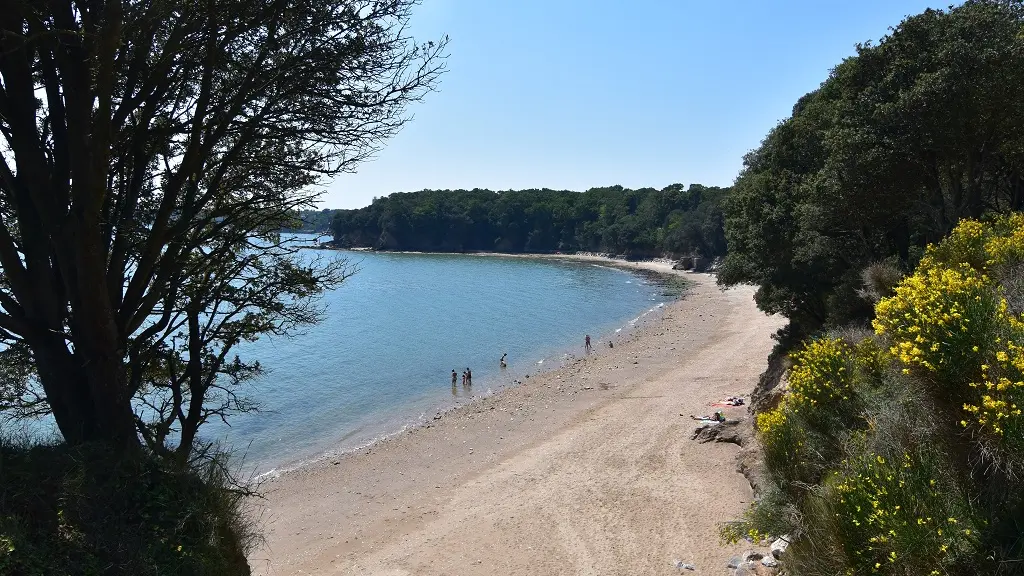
(587,469)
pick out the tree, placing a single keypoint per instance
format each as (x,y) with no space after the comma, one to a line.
(638,223)
(151,151)
(898,144)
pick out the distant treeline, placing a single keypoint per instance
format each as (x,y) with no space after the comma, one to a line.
(312,221)
(635,223)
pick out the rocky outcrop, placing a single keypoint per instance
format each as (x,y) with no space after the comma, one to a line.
(741,433)
(772,382)
(731,431)
(696,264)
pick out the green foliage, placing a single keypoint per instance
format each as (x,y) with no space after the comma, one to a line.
(636,223)
(78,510)
(898,510)
(899,453)
(899,143)
(311,221)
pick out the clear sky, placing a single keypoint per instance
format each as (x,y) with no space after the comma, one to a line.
(573,94)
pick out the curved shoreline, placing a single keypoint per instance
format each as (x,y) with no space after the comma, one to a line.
(415,415)
(546,477)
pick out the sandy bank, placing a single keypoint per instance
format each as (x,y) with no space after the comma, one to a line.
(584,470)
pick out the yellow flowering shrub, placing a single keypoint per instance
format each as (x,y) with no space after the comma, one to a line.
(783,440)
(947,342)
(949,318)
(937,318)
(983,246)
(870,360)
(892,514)
(820,374)
(964,245)
(1001,388)
(1005,243)
(771,425)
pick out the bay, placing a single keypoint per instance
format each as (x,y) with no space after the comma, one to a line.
(392,334)
(381,359)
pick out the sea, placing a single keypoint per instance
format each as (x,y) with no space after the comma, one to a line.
(381,359)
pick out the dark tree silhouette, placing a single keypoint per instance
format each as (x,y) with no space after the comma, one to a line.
(150,151)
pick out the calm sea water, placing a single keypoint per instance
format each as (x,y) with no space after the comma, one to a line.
(382,358)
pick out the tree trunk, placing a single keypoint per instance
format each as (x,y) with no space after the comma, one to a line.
(86,407)
(68,397)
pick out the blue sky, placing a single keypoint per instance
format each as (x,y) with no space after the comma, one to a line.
(572,94)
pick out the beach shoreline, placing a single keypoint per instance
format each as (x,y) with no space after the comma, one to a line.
(562,355)
(382,509)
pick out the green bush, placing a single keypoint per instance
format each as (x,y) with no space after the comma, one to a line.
(80,511)
(900,452)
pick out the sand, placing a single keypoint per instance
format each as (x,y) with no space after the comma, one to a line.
(588,469)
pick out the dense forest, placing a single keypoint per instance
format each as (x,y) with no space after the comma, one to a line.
(312,221)
(638,223)
(898,144)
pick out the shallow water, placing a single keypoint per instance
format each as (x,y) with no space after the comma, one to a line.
(381,360)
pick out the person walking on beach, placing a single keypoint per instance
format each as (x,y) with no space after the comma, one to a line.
(587,345)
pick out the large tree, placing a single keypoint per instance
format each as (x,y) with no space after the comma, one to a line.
(150,150)
(896,146)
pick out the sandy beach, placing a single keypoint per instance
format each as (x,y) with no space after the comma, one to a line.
(588,469)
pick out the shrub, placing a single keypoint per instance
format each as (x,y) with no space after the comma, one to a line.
(81,511)
(900,452)
(1001,387)
(784,443)
(880,280)
(936,320)
(899,511)
(820,378)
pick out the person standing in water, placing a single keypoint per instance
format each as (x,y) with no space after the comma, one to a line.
(502,361)
(587,345)
(469,377)
(455,377)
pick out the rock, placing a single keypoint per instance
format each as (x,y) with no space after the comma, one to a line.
(745,569)
(772,383)
(684,264)
(734,562)
(731,431)
(779,547)
(769,562)
(752,556)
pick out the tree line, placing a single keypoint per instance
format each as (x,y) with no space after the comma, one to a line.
(641,223)
(310,221)
(899,143)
